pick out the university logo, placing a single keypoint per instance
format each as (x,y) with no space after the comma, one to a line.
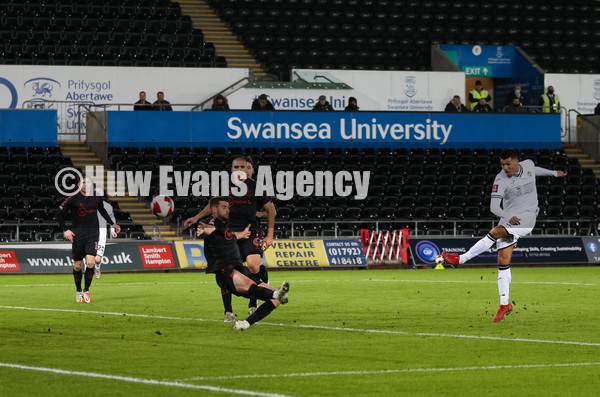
(12,91)
(410,86)
(499,53)
(596,92)
(41,87)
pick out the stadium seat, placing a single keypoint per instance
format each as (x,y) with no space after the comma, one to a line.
(397,201)
(554,212)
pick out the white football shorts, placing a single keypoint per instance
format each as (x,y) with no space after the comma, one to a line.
(525,226)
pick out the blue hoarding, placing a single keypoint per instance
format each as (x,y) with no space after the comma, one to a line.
(530,250)
(28,127)
(336,129)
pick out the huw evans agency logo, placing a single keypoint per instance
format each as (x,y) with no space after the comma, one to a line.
(281,184)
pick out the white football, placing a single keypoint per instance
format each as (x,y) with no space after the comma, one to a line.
(162,206)
(439,260)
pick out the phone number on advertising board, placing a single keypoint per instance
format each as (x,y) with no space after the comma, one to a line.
(344,251)
(347,261)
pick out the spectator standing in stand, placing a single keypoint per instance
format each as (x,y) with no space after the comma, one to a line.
(455,106)
(483,107)
(262,103)
(220,103)
(322,105)
(161,103)
(477,94)
(142,103)
(549,101)
(516,93)
(352,105)
(515,106)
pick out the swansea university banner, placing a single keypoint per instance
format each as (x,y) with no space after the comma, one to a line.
(337,129)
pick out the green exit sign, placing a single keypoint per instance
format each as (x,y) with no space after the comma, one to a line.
(481,71)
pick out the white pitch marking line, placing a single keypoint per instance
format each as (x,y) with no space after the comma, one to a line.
(317,281)
(478,281)
(140,380)
(120,314)
(391,371)
(319,327)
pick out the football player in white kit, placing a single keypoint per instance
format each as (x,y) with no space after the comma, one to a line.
(514,200)
(102,237)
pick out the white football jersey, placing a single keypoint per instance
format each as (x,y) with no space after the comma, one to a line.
(519,192)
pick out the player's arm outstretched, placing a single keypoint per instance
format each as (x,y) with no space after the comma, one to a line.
(194,219)
(539,171)
(204,229)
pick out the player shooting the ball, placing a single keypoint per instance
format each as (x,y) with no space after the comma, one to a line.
(224,259)
(515,202)
(246,210)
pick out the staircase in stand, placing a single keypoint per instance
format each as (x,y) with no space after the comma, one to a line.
(226,43)
(571,150)
(81,156)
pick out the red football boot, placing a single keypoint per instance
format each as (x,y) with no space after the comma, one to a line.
(504,309)
(452,259)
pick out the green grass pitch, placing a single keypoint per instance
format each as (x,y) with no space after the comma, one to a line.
(344,333)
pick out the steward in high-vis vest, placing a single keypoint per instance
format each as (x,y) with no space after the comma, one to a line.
(477,94)
(550,102)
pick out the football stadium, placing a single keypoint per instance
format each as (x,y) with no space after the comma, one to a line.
(299,198)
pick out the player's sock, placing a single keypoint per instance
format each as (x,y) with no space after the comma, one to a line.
(261,293)
(252,302)
(77,275)
(226,296)
(480,247)
(263,311)
(263,274)
(504,278)
(89,276)
(256,279)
